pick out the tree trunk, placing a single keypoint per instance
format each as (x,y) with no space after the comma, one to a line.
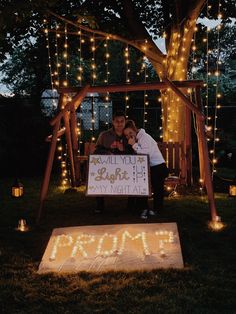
(175,68)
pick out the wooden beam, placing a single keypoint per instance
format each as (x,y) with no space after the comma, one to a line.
(66,118)
(132,87)
(200,152)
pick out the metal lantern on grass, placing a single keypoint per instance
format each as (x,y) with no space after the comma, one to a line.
(22,226)
(17,190)
(232,188)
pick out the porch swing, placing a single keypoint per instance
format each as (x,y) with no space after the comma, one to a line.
(68,115)
(177,155)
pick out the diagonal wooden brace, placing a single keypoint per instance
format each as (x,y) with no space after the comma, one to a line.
(185,99)
(76,101)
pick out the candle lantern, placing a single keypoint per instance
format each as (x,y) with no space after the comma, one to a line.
(22,226)
(17,189)
(232,188)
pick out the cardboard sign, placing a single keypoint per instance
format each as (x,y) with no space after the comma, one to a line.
(118,175)
(113,247)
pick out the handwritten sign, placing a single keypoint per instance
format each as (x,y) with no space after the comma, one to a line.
(113,247)
(118,175)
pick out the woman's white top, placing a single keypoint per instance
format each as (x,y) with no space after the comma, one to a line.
(147,145)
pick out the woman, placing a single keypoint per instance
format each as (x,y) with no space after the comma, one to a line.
(143,143)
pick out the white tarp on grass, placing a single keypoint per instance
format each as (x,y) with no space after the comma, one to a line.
(125,247)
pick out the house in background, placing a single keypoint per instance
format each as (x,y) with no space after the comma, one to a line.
(93,103)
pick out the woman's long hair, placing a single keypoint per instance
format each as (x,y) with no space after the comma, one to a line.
(131,124)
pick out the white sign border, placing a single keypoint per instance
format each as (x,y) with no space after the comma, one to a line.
(120,195)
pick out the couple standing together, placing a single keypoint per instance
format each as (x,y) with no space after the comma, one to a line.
(125,138)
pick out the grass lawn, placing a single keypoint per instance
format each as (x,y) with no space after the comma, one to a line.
(207,284)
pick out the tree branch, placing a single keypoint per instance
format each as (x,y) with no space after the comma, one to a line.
(136,26)
(149,52)
(195,9)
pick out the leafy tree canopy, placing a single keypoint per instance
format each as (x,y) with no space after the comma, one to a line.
(21,19)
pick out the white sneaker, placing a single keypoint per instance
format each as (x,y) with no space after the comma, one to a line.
(152,213)
(144,214)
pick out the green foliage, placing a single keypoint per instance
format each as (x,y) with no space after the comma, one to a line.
(23,71)
(22,26)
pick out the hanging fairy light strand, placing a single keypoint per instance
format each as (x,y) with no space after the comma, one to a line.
(94,76)
(80,68)
(107,98)
(57,72)
(193,68)
(217,89)
(207,69)
(62,157)
(65,55)
(79,78)
(49,54)
(127,78)
(145,95)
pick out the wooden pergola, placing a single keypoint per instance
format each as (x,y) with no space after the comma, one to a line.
(67,113)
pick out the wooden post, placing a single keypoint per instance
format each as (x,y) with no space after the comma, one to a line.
(74,136)
(48,169)
(66,118)
(47,174)
(200,148)
(188,146)
(205,158)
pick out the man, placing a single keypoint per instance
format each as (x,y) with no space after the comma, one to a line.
(112,142)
